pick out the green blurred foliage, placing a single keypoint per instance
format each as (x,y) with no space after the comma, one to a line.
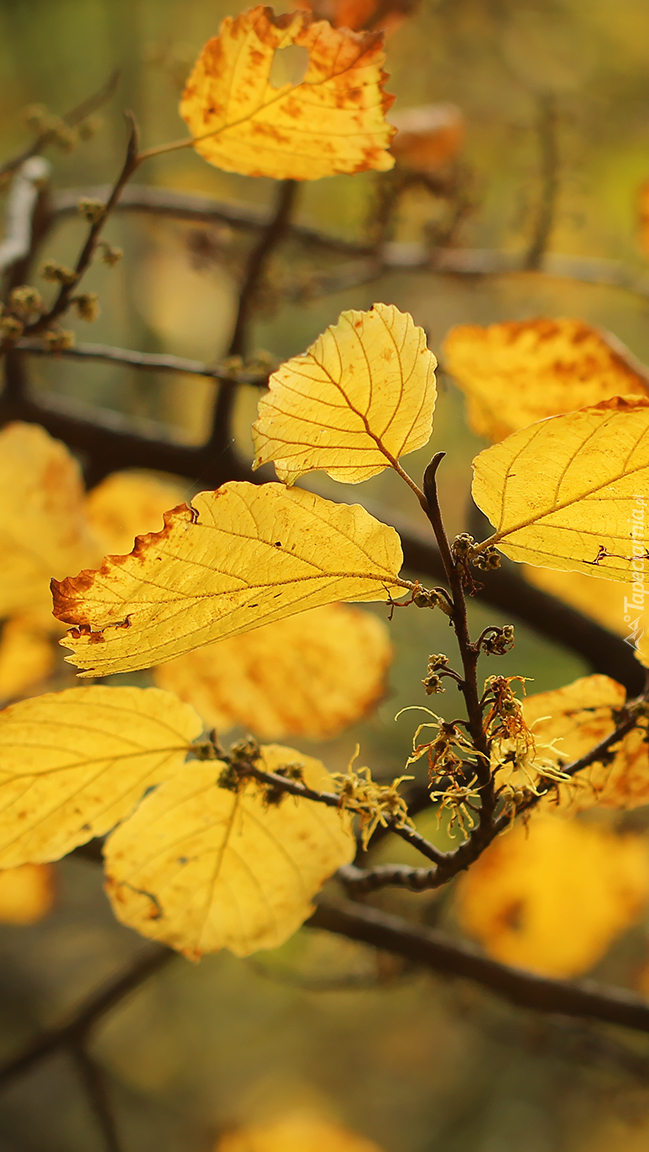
(416,1063)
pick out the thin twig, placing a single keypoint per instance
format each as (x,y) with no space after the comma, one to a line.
(147,360)
(256,267)
(583,999)
(547,134)
(93,1079)
(62,301)
(72,118)
(80,1023)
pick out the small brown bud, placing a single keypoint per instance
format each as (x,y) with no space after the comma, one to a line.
(11,327)
(109,254)
(87,306)
(57,273)
(25,300)
(36,117)
(89,127)
(487,560)
(59,339)
(93,210)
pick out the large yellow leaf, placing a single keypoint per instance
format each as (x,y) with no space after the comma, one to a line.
(201,868)
(73,763)
(561,493)
(610,604)
(43,529)
(126,504)
(239,557)
(333,120)
(553,897)
(310,675)
(518,372)
(362,396)
(577,717)
(299,1132)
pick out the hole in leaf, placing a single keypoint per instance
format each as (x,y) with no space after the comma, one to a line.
(289,65)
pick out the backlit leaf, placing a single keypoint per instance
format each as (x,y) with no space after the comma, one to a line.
(239,557)
(202,868)
(74,763)
(518,372)
(610,604)
(332,120)
(43,528)
(554,896)
(561,493)
(577,717)
(359,398)
(27,657)
(295,1133)
(309,675)
(27,893)
(126,504)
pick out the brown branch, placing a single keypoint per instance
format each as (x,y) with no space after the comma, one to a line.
(549,156)
(435,951)
(63,298)
(147,360)
(257,264)
(93,1079)
(76,1029)
(72,118)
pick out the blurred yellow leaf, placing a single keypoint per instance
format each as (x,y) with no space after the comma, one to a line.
(295,1133)
(202,868)
(126,504)
(577,717)
(73,763)
(239,557)
(554,896)
(362,396)
(43,529)
(310,675)
(27,657)
(518,372)
(428,137)
(27,893)
(561,493)
(332,120)
(609,604)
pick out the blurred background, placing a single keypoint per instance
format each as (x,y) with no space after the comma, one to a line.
(413,1062)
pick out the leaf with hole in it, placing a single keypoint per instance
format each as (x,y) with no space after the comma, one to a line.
(517,372)
(202,868)
(74,763)
(239,557)
(43,528)
(332,120)
(311,675)
(561,493)
(362,396)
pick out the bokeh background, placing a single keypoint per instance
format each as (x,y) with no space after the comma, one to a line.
(414,1062)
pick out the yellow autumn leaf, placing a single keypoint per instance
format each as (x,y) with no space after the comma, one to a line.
(309,675)
(518,372)
(27,893)
(126,504)
(74,763)
(298,1132)
(27,657)
(237,558)
(359,398)
(43,529)
(611,604)
(561,493)
(202,868)
(554,896)
(332,120)
(574,719)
